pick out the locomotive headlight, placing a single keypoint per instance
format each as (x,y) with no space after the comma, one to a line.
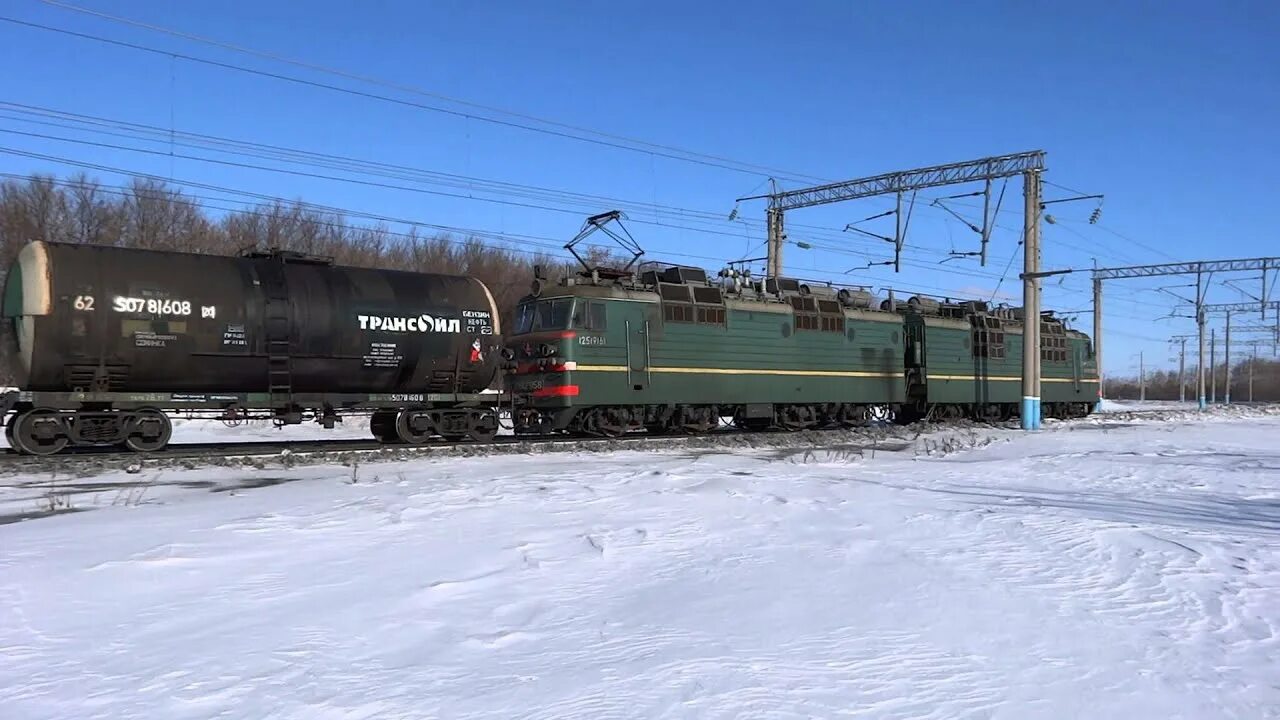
(546,350)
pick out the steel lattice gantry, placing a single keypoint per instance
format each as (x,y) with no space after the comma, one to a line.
(1201,269)
(1188,268)
(990,168)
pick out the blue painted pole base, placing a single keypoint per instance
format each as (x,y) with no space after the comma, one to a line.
(1030,414)
(1203,404)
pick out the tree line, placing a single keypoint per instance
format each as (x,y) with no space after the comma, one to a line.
(1163,384)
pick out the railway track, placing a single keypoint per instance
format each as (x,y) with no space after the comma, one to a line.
(240,453)
(197,454)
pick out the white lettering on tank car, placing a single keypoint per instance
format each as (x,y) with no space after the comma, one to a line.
(420,324)
(83,302)
(208,311)
(151,306)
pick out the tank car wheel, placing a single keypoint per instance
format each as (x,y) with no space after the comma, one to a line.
(383,426)
(407,432)
(148,431)
(485,428)
(39,432)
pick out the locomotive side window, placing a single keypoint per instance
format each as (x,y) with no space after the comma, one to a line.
(589,315)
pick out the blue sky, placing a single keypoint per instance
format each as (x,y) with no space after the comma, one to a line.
(1169,109)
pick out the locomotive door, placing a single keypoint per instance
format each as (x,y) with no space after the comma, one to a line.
(636,327)
(1077,366)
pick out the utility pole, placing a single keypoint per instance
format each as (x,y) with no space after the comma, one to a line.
(1252,361)
(1227,391)
(1031,301)
(1097,335)
(1213,365)
(776,236)
(1182,370)
(1142,377)
(1200,268)
(1200,318)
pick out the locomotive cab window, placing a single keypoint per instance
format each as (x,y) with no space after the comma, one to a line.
(543,315)
(589,315)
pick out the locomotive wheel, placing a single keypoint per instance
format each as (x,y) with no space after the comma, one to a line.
(39,432)
(485,428)
(854,415)
(148,431)
(407,433)
(8,430)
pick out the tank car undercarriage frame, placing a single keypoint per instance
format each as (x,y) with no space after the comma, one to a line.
(46,423)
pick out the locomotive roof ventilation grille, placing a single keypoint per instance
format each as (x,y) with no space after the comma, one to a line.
(684,274)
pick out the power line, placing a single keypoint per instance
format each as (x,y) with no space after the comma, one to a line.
(355,166)
(719,161)
(392,186)
(688,156)
(528,240)
(524,239)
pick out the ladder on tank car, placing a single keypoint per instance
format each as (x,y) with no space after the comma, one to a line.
(278,324)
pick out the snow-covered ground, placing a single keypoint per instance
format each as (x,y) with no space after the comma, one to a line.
(1096,570)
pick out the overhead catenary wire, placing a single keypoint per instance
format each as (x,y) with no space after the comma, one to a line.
(687,156)
(527,240)
(392,186)
(403,87)
(363,167)
(649,148)
(507,236)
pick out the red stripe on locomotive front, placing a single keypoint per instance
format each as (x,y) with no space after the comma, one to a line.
(556,391)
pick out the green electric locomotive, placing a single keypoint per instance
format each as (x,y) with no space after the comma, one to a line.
(965,360)
(667,349)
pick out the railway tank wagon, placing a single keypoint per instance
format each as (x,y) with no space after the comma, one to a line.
(106,340)
(670,351)
(965,360)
